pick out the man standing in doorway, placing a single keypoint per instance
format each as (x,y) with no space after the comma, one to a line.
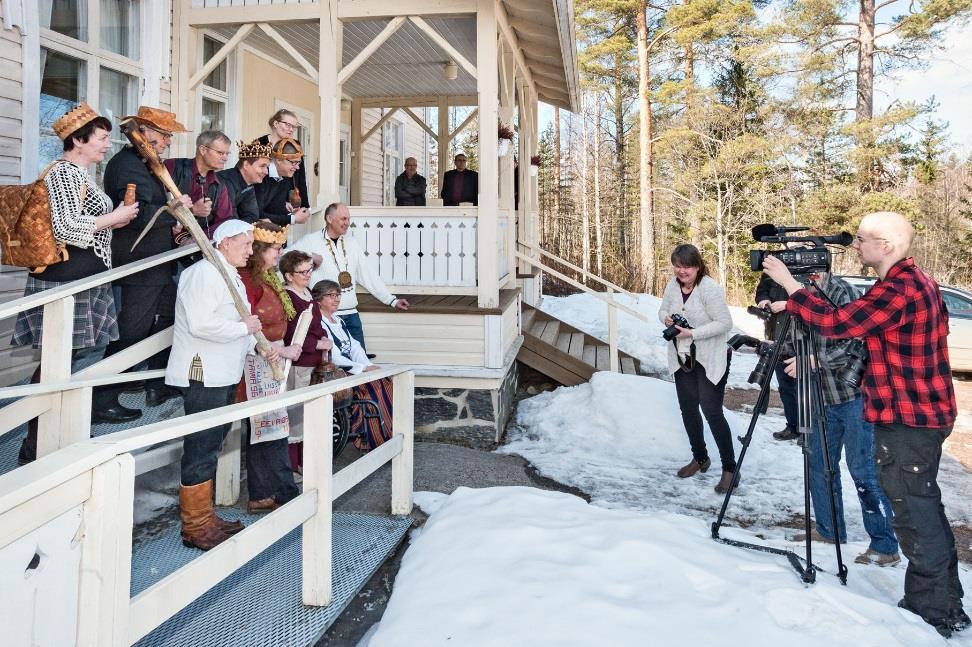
(410,186)
(460,184)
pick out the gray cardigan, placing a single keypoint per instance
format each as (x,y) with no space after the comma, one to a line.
(708,314)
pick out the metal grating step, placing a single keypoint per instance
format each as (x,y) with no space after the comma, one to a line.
(260,604)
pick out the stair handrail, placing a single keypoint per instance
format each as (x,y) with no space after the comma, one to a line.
(97,474)
(585,273)
(613,306)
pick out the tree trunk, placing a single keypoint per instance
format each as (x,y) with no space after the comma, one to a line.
(865,61)
(695,223)
(598,232)
(557,168)
(619,162)
(585,212)
(647,219)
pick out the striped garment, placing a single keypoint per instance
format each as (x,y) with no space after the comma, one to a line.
(372,432)
(904,322)
(95,319)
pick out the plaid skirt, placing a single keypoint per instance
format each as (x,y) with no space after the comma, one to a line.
(95,319)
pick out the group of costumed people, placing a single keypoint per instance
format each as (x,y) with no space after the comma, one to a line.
(245,212)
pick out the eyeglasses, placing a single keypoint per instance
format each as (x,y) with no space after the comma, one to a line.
(306,272)
(217,151)
(861,241)
(288,125)
(331,295)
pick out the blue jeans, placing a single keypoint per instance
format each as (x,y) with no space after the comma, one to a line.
(846,428)
(353,322)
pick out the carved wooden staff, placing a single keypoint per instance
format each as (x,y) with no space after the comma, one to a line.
(185,217)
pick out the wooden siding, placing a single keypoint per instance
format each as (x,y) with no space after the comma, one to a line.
(372,161)
(511,325)
(425,339)
(11,105)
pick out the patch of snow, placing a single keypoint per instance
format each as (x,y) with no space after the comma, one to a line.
(429,502)
(520,566)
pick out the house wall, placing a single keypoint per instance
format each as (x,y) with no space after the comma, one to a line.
(428,339)
(263,84)
(373,154)
(11,105)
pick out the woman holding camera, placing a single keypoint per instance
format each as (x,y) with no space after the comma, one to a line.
(699,359)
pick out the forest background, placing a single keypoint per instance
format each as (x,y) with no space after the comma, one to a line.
(702,118)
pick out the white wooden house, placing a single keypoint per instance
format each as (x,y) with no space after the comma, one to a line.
(372,82)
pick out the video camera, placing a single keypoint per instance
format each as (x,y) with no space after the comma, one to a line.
(799,260)
(764,351)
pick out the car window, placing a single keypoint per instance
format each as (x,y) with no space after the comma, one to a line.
(957,306)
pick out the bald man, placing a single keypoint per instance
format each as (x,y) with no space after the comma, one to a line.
(909,399)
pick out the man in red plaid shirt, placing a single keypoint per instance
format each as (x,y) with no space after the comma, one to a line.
(909,398)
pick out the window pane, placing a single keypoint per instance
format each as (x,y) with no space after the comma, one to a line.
(117,98)
(216,78)
(62,88)
(120,26)
(68,17)
(213,115)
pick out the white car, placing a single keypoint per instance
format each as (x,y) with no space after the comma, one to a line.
(959,304)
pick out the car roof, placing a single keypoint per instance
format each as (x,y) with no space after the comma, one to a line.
(870,280)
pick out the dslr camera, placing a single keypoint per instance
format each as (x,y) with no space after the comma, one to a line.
(671,332)
(811,257)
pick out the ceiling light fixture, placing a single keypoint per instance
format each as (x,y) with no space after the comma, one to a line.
(450,71)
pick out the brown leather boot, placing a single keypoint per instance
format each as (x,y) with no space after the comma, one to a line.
(263,505)
(693,468)
(727,481)
(199,528)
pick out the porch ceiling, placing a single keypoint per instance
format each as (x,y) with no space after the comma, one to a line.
(410,64)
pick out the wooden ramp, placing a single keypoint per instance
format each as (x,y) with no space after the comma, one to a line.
(565,353)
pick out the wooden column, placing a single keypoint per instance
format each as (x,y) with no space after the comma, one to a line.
(486,62)
(330,96)
(444,139)
(56,367)
(355,178)
(403,424)
(316,544)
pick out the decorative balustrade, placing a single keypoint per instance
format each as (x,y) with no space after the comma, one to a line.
(419,247)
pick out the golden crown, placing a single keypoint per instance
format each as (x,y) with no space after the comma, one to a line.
(254,150)
(73,119)
(262,235)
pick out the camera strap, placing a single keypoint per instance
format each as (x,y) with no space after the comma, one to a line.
(689,364)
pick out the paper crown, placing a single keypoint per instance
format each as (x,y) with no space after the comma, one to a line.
(254,150)
(261,235)
(73,119)
(280,150)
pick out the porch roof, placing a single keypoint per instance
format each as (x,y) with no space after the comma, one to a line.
(409,63)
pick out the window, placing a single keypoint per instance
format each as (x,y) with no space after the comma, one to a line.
(67,17)
(214,90)
(393,138)
(957,306)
(119,26)
(103,68)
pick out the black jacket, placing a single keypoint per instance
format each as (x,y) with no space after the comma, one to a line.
(300,177)
(272,196)
(769,289)
(409,192)
(242,196)
(470,188)
(125,168)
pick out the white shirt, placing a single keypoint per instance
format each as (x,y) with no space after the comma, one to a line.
(350,258)
(708,314)
(347,351)
(207,324)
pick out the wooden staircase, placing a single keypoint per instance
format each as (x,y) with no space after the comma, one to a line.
(564,353)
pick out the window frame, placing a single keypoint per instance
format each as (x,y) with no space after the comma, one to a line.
(393,170)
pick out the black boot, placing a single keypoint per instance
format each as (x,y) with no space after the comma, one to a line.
(958,619)
(114,415)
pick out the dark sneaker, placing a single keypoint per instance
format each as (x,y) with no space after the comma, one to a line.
(789,433)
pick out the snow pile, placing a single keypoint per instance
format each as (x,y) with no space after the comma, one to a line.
(620,439)
(644,340)
(519,566)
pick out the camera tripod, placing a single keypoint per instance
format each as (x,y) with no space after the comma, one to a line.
(810,407)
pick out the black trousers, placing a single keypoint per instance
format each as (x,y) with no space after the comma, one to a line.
(269,472)
(200,451)
(695,391)
(145,310)
(907,460)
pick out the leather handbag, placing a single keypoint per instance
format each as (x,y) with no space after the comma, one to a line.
(327,371)
(26,233)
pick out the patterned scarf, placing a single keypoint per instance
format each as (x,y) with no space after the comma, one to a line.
(272,279)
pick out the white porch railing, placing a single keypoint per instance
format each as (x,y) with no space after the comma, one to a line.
(418,246)
(66,524)
(607,297)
